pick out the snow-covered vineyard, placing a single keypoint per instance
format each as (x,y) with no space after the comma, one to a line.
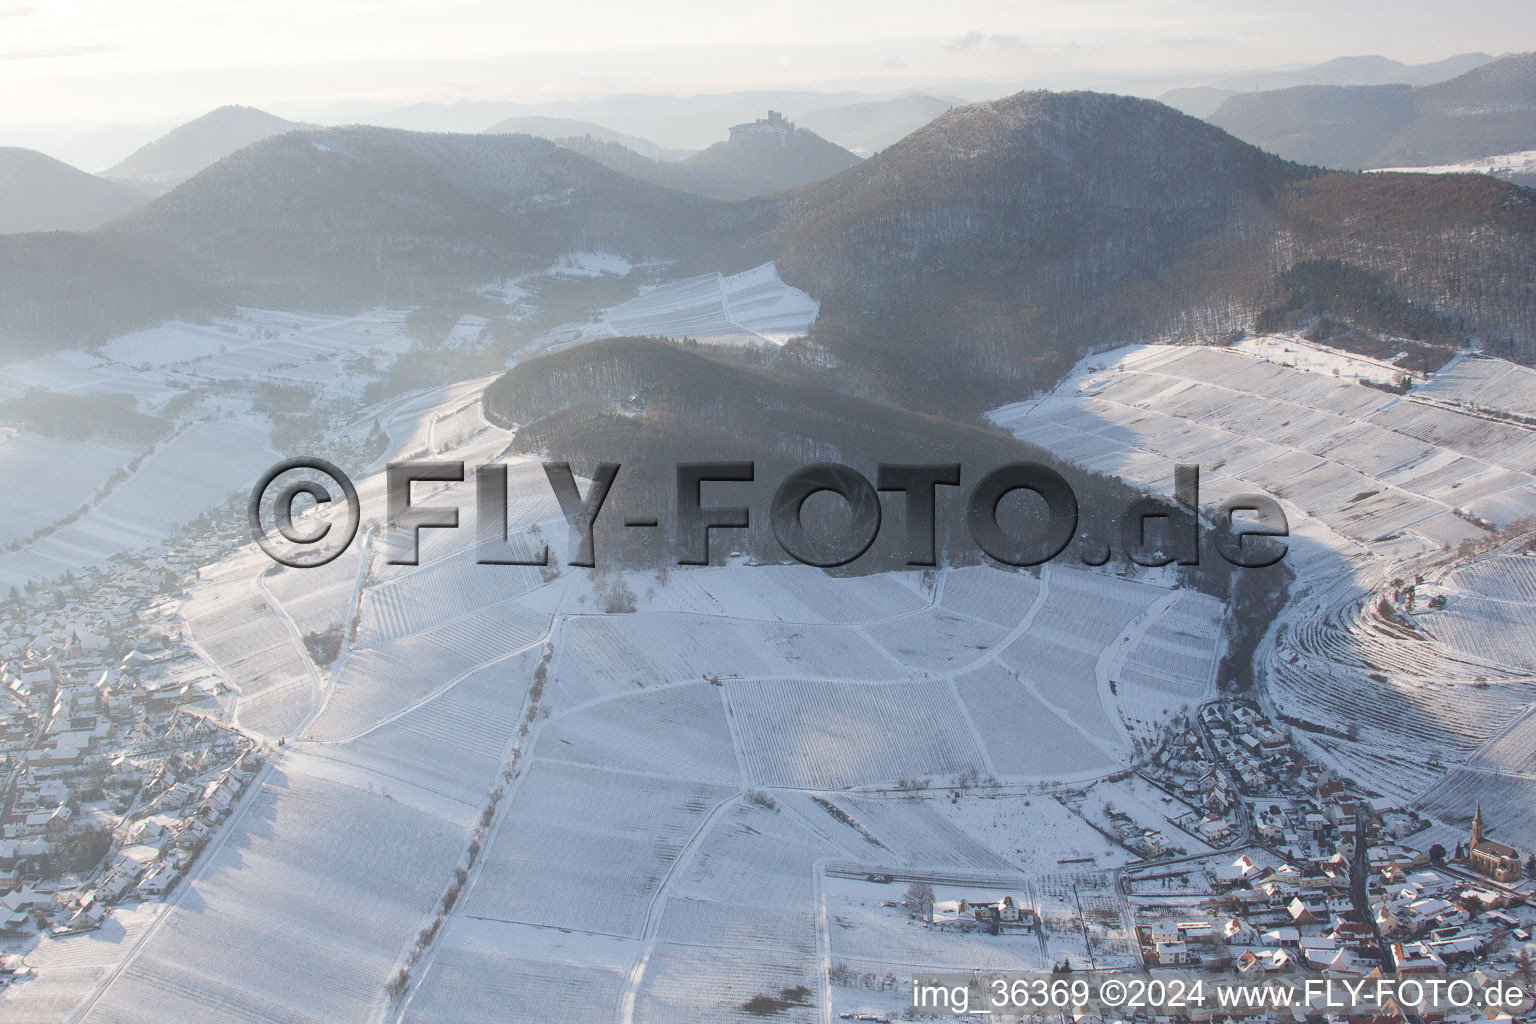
(751,308)
(107,496)
(1359,468)
(683,796)
(653,799)
(1419,665)
(218,445)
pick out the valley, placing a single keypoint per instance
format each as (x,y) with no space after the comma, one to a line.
(654,792)
(586,792)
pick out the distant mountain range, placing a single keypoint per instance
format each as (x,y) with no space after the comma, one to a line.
(686,123)
(760,157)
(39,193)
(862,128)
(357,216)
(690,123)
(557,128)
(866,128)
(88,147)
(161,165)
(1488,111)
(1202,100)
(977,258)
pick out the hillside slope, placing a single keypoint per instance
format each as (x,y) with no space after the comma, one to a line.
(39,193)
(869,127)
(649,405)
(557,128)
(174,157)
(992,248)
(768,156)
(63,290)
(990,244)
(1487,111)
(348,217)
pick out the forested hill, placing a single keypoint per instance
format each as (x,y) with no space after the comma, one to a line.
(649,404)
(39,193)
(164,163)
(749,163)
(969,263)
(983,254)
(360,216)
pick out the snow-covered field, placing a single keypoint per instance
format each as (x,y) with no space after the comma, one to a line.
(221,445)
(1295,351)
(1377,487)
(519,974)
(866,932)
(302,910)
(752,307)
(53,477)
(684,774)
(1504,797)
(1359,470)
(199,467)
(1487,610)
(244,635)
(1521,162)
(1086,920)
(156,364)
(555,813)
(1487,384)
(218,445)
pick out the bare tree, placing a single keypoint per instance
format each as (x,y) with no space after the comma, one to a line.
(920,900)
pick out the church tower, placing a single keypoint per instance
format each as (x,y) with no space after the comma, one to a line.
(1477,826)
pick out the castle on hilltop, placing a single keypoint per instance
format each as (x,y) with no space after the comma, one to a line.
(773,124)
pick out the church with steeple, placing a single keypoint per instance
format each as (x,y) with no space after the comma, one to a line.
(1486,857)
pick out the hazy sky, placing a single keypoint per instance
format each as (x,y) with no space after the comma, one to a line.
(97,60)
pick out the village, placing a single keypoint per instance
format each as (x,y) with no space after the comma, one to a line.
(1326,879)
(116,766)
(1295,874)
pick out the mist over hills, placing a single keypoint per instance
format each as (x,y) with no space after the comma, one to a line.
(869,127)
(761,157)
(1373,69)
(873,119)
(692,122)
(1487,111)
(686,123)
(756,159)
(174,157)
(89,147)
(39,193)
(1366,69)
(977,258)
(347,217)
(557,128)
